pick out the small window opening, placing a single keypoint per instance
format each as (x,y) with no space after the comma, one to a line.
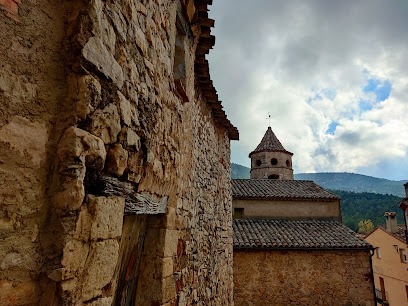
(179,63)
(274,161)
(238,213)
(378,250)
(273,177)
(403,255)
(258,163)
(288,163)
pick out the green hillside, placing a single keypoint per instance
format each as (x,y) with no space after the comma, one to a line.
(239,172)
(367,206)
(354,182)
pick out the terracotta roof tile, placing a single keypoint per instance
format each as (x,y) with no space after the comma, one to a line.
(279,189)
(298,234)
(269,143)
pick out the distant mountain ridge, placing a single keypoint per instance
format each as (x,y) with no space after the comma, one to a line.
(340,181)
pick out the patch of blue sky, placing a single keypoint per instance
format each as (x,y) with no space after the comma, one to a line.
(330,93)
(382,90)
(365,106)
(332,128)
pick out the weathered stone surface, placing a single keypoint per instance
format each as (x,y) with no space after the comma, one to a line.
(71,196)
(116,161)
(79,144)
(96,53)
(101,25)
(106,301)
(27,138)
(89,95)
(315,277)
(106,124)
(83,225)
(107,216)
(26,293)
(174,149)
(73,258)
(100,265)
(129,138)
(128,111)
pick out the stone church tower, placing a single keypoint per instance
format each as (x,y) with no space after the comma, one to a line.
(270,160)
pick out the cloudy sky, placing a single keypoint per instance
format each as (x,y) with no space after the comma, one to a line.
(332,74)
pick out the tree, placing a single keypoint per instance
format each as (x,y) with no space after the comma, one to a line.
(365,227)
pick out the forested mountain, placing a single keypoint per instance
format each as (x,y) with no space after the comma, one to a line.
(239,172)
(354,182)
(356,207)
(340,181)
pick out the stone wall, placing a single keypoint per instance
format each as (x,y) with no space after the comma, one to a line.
(262,167)
(302,277)
(109,88)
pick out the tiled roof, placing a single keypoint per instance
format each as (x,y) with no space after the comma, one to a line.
(294,234)
(279,189)
(269,143)
(400,234)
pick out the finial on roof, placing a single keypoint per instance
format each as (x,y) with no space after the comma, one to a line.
(269,117)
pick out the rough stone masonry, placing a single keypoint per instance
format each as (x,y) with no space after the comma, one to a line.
(106,105)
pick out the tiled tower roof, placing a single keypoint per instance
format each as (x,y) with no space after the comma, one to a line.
(270,143)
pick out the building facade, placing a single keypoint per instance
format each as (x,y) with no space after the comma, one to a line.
(390,262)
(114,155)
(290,246)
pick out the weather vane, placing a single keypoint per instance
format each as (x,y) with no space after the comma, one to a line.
(269,117)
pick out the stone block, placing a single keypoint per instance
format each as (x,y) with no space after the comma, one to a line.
(77,144)
(107,216)
(129,138)
(70,197)
(97,54)
(128,111)
(116,161)
(83,225)
(73,260)
(89,95)
(105,124)
(100,267)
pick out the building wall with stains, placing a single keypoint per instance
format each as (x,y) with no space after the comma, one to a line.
(302,277)
(117,89)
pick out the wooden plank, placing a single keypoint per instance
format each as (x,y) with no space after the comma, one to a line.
(208,22)
(136,203)
(130,255)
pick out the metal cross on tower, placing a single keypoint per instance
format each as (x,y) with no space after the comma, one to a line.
(269,117)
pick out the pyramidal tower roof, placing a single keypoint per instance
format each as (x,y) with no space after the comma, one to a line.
(270,143)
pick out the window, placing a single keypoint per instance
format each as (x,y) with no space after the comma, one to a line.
(378,253)
(406,290)
(273,177)
(258,163)
(403,255)
(238,213)
(287,163)
(382,286)
(274,161)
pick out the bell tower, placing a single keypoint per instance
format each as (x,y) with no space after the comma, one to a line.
(270,160)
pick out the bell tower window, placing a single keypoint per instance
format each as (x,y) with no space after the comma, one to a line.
(258,163)
(274,161)
(273,177)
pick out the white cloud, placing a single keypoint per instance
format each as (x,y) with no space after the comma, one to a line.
(307,64)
